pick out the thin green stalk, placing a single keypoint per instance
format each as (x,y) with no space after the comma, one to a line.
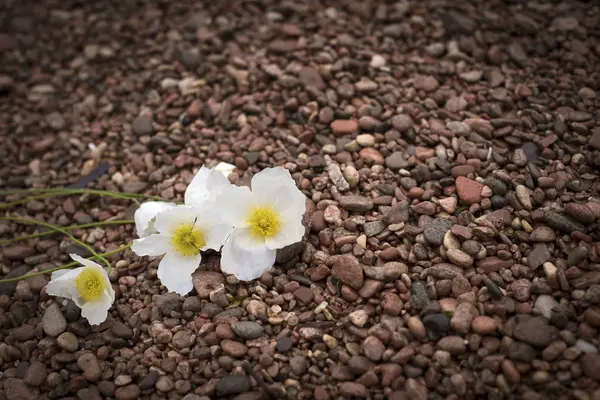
(69,265)
(61,230)
(52,192)
(78,191)
(68,228)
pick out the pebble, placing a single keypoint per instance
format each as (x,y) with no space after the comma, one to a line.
(539,255)
(358,204)
(396,161)
(68,342)
(358,318)
(232,384)
(454,345)
(524,197)
(437,325)
(233,348)
(36,374)
(390,271)
(585,347)
(351,176)
(484,325)
(18,252)
(142,125)
(53,321)
(365,140)
(398,213)
(336,176)
(247,330)
(298,365)
(460,258)
(469,190)
(590,364)
(284,343)
(435,231)
(581,212)
(344,127)
(427,83)
(471,76)
(535,331)
(16,389)
(353,389)
(544,304)
(416,327)
(419,296)
(129,392)
(165,384)
(89,364)
(207,281)
(347,269)
(373,348)
(543,234)
(561,222)
(463,317)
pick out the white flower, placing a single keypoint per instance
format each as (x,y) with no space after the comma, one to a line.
(183,232)
(265,219)
(145,214)
(225,168)
(88,287)
(205,186)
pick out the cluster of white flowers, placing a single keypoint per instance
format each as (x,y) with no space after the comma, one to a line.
(247,225)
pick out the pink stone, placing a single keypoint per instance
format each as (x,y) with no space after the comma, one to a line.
(448,204)
(371,155)
(468,190)
(344,126)
(424,153)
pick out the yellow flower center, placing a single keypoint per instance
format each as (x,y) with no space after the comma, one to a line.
(188,240)
(90,284)
(264,222)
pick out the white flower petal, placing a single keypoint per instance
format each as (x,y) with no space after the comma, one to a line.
(85,261)
(270,177)
(145,215)
(153,245)
(234,205)
(225,168)
(175,272)
(275,186)
(62,283)
(206,185)
(170,220)
(245,257)
(216,234)
(291,232)
(96,312)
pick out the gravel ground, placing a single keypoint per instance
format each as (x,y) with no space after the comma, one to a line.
(449,152)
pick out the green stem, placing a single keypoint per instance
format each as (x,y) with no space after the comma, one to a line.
(61,230)
(69,265)
(69,228)
(52,192)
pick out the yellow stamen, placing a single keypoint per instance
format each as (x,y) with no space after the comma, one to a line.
(264,222)
(188,239)
(90,284)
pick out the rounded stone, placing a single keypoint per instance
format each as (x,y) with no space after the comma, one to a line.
(68,342)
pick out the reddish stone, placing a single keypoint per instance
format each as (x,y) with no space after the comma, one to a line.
(468,190)
(494,264)
(344,127)
(372,155)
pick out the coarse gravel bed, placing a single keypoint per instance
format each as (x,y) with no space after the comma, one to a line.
(449,152)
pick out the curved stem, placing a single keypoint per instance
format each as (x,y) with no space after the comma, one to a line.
(52,192)
(61,230)
(71,264)
(69,228)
